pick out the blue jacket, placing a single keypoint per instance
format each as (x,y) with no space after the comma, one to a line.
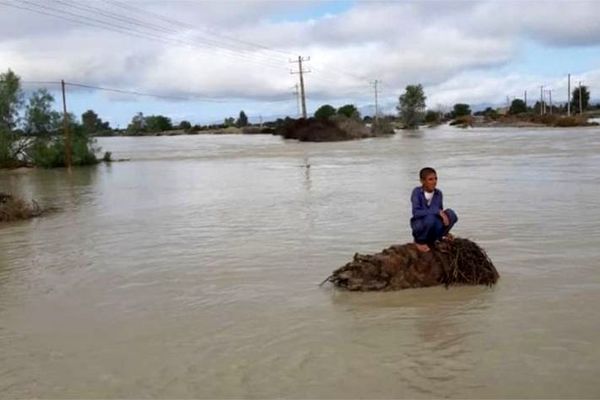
(420,208)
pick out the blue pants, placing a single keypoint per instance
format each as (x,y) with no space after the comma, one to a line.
(430,228)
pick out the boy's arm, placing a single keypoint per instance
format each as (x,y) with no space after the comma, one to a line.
(419,209)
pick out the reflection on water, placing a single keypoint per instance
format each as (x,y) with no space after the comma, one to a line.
(192,270)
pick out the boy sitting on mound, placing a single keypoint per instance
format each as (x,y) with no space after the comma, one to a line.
(430,222)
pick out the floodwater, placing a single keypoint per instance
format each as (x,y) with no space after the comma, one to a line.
(192,270)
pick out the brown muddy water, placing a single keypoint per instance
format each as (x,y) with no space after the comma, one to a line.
(193,270)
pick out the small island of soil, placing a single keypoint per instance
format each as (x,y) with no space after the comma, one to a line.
(457,262)
(329,129)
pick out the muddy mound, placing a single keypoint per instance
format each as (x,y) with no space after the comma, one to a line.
(457,262)
(323,130)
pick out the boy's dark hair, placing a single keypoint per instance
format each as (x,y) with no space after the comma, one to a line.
(425,172)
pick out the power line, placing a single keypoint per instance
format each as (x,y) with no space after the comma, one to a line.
(141,28)
(90,21)
(146,94)
(151,26)
(209,31)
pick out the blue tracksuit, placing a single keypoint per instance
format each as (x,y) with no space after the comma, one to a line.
(426,223)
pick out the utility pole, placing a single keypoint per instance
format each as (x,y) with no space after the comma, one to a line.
(550,100)
(66,128)
(569,95)
(374,83)
(297,94)
(301,72)
(525,100)
(542,100)
(580,102)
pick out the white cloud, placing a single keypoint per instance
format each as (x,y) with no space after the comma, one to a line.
(435,43)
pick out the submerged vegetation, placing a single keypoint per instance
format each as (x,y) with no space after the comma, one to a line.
(37,139)
(14,208)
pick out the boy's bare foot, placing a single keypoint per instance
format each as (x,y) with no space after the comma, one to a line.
(423,248)
(449,237)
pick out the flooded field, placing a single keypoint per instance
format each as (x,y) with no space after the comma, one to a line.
(193,270)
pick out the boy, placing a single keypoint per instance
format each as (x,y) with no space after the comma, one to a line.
(430,222)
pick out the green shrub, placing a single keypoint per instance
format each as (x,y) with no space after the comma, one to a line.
(49,152)
(382,126)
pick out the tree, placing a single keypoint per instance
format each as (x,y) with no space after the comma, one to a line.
(185,125)
(433,117)
(324,112)
(585,98)
(242,120)
(158,123)
(11,99)
(90,121)
(491,113)
(349,110)
(137,124)
(517,106)
(461,110)
(40,119)
(412,106)
(229,122)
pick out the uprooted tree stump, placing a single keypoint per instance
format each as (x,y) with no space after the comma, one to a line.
(456,262)
(13,208)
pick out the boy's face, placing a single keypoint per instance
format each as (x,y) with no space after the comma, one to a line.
(429,182)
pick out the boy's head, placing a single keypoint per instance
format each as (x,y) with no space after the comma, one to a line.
(428,178)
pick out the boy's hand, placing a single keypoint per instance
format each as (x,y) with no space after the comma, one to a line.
(445,218)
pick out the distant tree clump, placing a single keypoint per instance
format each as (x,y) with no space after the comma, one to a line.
(228,122)
(412,106)
(11,99)
(517,106)
(185,125)
(93,124)
(137,124)
(158,123)
(40,119)
(433,117)
(242,120)
(575,100)
(461,110)
(41,141)
(325,111)
(491,113)
(349,110)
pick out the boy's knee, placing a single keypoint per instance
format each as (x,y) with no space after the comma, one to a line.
(451,215)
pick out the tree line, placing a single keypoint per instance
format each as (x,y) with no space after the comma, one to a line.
(31,129)
(412,108)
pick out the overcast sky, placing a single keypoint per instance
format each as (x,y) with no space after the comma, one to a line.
(215,58)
